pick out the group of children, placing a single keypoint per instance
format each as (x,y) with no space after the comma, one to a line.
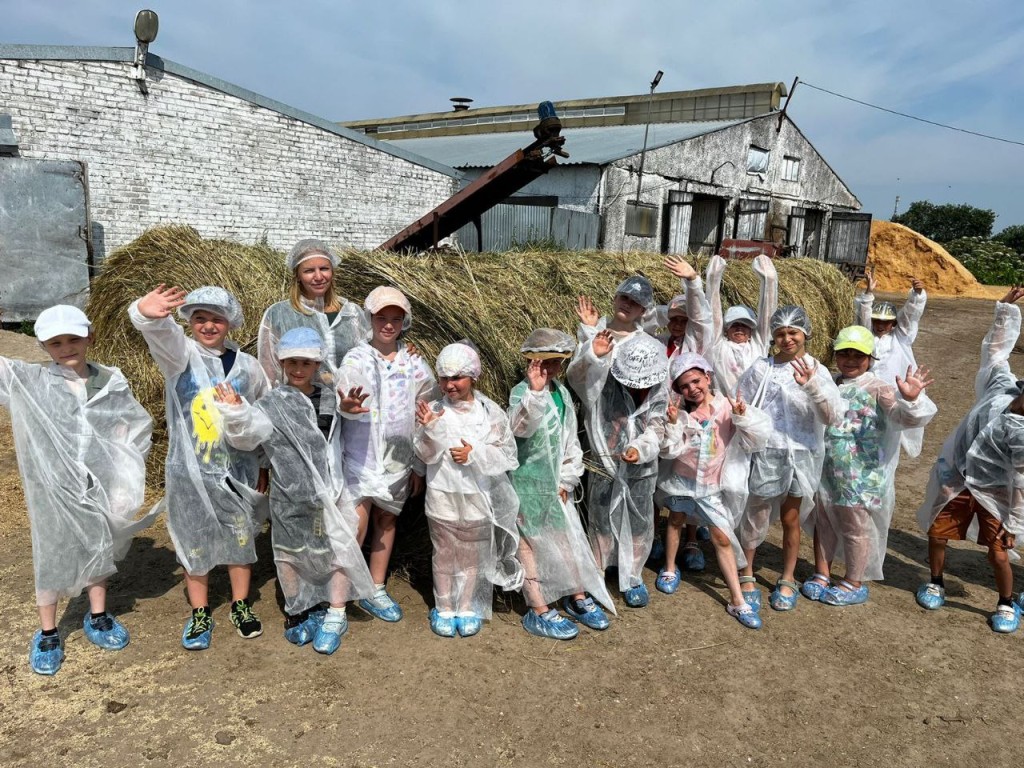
(339,422)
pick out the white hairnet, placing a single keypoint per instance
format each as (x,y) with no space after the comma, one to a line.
(386,296)
(740,313)
(214,299)
(457,360)
(546,343)
(685,361)
(791,316)
(638,288)
(301,342)
(640,362)
(308,249)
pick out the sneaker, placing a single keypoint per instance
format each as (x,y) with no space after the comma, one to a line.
(637,597)
(1006,619)
(667,581)
(745,615)
(814,586)
(931,596)
(301,632)
(845,593)
(198,630)
(106,632)
(327,638)
(45,653)
(442,626)
(382,606)
(245,620)
(693,558)
(550,624)
(657,551)
(586,612)
(468,625)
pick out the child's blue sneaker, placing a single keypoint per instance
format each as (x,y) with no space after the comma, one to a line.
(782,602)
(302,633)
(198,631)
(586,612)
(844,593)
(931,596)
(106,632)
(1006,619)
(745,615)
(693,558)
(443,626)
(468,625)
(657,551)
(45,653)
(753,597)
(636,597)
(814,586)
(667,581)
(703,533)
(550,624)
(382,606)
(328,634)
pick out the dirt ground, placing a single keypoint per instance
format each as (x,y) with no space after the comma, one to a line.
(677,683)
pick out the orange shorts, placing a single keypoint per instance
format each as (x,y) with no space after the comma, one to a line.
(955,518)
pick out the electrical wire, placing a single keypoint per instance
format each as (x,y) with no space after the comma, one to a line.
(913,117)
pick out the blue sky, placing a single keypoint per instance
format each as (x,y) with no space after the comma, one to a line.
(951,62)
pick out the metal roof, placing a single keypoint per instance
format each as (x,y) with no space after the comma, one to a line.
(593,146)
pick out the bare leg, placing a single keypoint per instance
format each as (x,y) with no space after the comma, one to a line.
(691,533)
(1004,574)
(936,556)
(47,617)
(382,543)
(790,514)
(673,535)
(198,589)
(531,590)
(240,576)
(727,563)
(363,513)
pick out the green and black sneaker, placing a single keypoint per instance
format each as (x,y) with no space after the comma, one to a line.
(245,620)
(198,630)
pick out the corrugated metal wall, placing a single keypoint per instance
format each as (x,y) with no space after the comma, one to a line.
(505,226)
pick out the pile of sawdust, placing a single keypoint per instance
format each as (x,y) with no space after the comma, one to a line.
(900,254)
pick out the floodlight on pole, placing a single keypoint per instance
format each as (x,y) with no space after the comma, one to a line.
(647,128)
(147,24)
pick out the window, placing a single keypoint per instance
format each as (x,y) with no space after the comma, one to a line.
(790,168)
(757,160)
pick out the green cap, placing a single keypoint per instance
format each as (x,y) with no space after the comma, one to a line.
(855,337)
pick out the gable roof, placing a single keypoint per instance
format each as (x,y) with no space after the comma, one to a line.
(586,146)
(127,55)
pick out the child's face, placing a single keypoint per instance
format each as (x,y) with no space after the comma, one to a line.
(738,333)
(639,394)
(626,310)
(677,326)
(387,325)
(208,329)
(790,341)
(852,363)
(694,385)
(300,371)
(882,327)
(315,276)
(457,388)
(69,351)
(552,368)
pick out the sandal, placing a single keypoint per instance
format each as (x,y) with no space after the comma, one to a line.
(814,586)
(753,596)
(781,602)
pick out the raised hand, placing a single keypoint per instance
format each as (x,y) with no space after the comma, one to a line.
(603,343)
(225,393)
(672,412)
(869,279)
(586,311)
(802,372)
(425,414)
(917,284)
(352,402)
(412,349)
(563,495)
(680,267)
(461,455)
(536,377)
(631,456)
(1013,295)
(161,302)
(914,383)
(738,406)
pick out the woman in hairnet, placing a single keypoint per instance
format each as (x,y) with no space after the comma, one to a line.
(312,303)
(796,391)
(314,538)
(553,548)
(895,332)
(857,492)
(739,336)
(468,449)
(976,488)
(210,487)
(622,390)
(381,469)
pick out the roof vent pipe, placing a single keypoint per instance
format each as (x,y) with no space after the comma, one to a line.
(460,103)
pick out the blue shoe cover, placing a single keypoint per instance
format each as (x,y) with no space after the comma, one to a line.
(382,606)
(745,615)
(467,626)
(201,641)
(586,612)
(45,654)
(302,633)
(637,597)
(106,632)
(1006,619)
(703,533)
(814,586)
(850,596)
(443,626)
(781,602)
(328,634)
(693,558)
(931,596)
(667,581)
(550,624)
